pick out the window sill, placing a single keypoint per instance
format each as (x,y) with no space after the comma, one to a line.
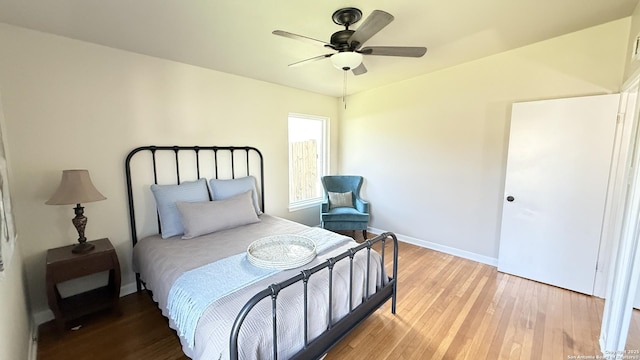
(304,205)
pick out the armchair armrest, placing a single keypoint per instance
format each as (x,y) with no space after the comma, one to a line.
(325,206)
(361,205)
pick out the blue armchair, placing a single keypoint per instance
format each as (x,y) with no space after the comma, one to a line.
(342,207)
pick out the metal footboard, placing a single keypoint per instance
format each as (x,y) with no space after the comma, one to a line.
(335,330)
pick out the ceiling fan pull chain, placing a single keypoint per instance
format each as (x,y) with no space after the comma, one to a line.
(344,89)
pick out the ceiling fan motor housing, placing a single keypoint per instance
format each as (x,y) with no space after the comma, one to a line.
(340,39)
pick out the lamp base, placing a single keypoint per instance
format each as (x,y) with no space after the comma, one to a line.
(82,248)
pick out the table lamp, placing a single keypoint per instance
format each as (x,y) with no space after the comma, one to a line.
(76,188)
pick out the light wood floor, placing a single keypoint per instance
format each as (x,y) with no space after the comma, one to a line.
(448,308)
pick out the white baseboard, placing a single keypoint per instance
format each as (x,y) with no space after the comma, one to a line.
(128,289)
(441,248)
(44,316)
(33,343)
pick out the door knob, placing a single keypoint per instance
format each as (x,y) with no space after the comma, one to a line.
(510,198)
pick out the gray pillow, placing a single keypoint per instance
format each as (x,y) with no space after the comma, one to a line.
(166,197)
(337,200)
(225,188)
(200,218)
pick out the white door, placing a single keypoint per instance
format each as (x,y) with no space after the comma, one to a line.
(555,189)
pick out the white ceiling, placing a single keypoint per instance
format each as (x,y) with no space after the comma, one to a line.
(234,36)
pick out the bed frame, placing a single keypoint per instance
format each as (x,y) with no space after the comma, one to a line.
(194,162)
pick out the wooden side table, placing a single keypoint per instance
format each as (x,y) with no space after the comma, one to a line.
(63,265)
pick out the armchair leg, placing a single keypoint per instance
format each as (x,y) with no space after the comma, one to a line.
(364,235)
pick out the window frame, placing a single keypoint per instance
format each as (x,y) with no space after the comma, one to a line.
(324,153)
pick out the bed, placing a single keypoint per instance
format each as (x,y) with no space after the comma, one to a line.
(221,305)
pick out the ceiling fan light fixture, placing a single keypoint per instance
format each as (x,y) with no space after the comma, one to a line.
(346,60)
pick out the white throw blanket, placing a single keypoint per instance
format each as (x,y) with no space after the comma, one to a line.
(195,290)
(189,296)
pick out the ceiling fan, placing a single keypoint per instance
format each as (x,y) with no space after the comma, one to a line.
(348,43)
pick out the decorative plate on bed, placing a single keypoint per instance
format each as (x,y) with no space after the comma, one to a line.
(281,251)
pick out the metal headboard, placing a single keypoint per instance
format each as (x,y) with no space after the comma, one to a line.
(238,161)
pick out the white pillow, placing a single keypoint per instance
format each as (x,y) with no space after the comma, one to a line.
(225,188)
(337,200)
(200,218)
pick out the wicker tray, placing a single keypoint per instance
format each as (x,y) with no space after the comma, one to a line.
(281,251)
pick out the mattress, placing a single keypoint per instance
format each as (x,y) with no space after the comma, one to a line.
(160,262)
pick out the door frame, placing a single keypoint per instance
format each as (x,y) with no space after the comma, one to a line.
(618,187)
(623,231)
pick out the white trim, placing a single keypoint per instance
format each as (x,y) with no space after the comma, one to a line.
(621,294)
(43,316)
(33,343)
(300,205)
(616,192)
(624,270)
(128,289)
(325,166)
(442,248)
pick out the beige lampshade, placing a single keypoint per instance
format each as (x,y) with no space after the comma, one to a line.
(75,188)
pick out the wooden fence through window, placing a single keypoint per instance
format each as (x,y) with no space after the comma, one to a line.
(304,167)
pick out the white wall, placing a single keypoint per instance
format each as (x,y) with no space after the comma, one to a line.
(632,66)
(15,323)
(15,326)
(70,104)
(433,148)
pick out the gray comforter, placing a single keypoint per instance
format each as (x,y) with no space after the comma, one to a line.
(160,262)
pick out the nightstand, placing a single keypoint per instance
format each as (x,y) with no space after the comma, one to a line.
(63,265)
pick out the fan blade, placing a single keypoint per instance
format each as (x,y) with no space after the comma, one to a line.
(301,38)
(406,51)
(361,69)
(316,58)
(372,24)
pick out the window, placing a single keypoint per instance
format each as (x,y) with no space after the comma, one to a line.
(307,159)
